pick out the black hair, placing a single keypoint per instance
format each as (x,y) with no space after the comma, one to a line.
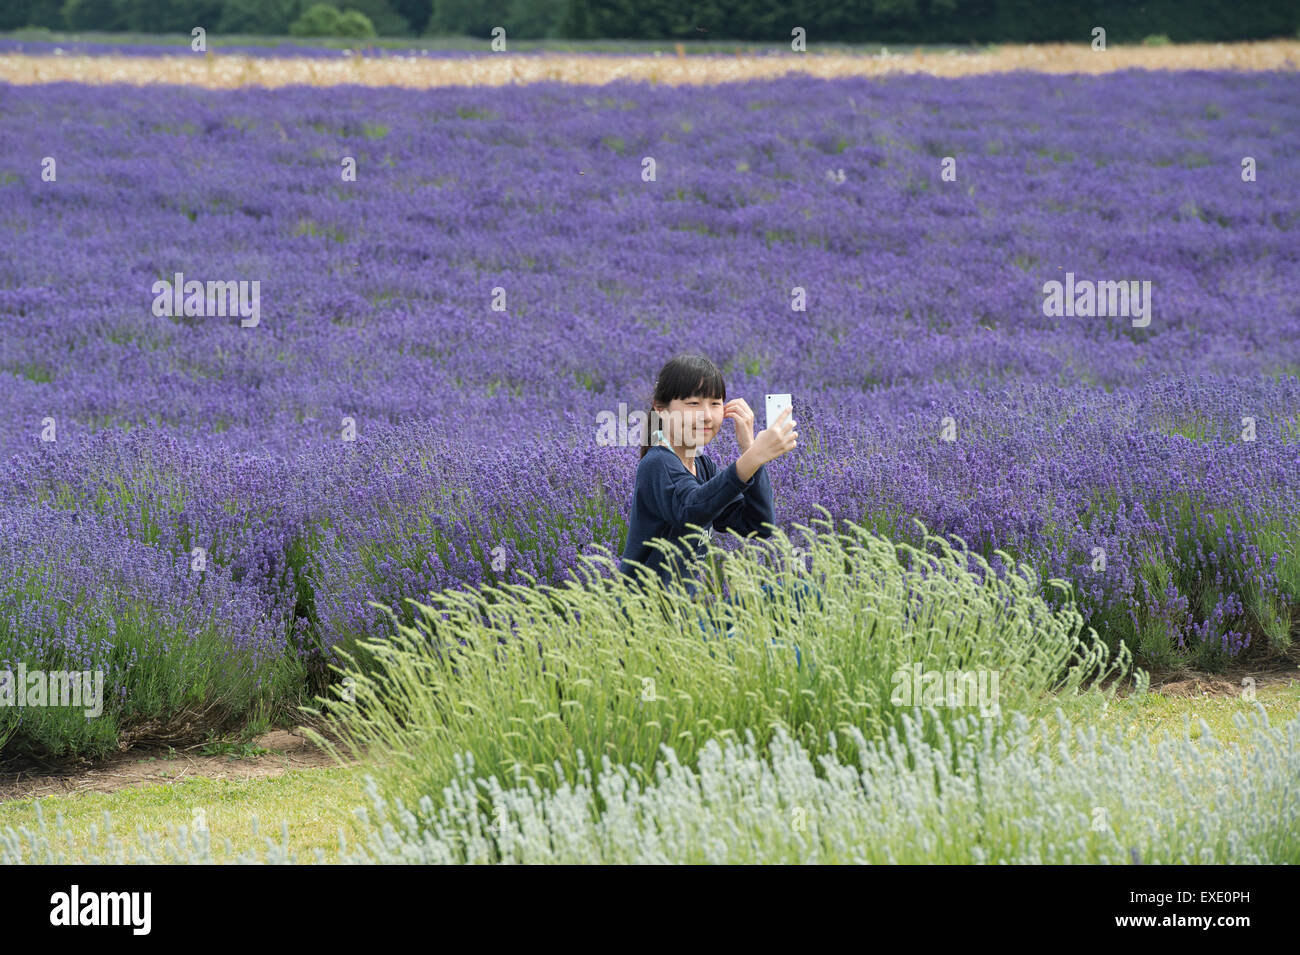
(685,376)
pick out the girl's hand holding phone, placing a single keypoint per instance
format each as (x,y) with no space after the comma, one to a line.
(777,439)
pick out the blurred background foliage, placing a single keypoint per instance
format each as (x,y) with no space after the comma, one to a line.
(765,21)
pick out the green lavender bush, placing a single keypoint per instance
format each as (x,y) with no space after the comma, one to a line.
(529,677)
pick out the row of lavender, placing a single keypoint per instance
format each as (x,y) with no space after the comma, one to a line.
(441,293)
(1038,471)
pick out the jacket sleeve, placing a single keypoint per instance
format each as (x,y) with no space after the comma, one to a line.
(752,511)
(678,498)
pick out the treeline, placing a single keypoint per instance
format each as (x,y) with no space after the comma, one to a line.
(759,21)
(250,17)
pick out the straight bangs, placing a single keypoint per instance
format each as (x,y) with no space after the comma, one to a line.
(691,377)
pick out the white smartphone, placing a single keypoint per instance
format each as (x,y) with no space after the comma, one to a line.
(775,405)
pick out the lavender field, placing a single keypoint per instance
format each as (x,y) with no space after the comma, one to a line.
(206,506)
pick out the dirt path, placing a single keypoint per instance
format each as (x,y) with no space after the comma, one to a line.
(1225,684)
(218,70)
(146,765)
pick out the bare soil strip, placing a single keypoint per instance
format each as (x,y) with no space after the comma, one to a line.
(147,765)
(216,70)
(1279,671)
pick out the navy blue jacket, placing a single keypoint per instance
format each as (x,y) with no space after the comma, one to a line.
(668,497)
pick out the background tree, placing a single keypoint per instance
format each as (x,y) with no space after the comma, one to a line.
(169,16)
(536,19)
(320,19)
(93,15)
(415,13)
(267,17)
(469,17)
(354,23)
(323,19)
(384,19)
(16,14)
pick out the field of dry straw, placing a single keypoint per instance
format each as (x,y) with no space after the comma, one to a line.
(224,71)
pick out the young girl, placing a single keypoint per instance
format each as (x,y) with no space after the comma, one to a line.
(677,484)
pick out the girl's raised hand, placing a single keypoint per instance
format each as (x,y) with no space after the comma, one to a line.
(738,410)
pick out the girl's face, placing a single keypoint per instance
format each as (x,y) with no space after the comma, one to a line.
(692,422)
